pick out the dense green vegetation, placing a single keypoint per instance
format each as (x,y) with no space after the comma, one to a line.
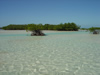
(94,28)
(62,27)
(83,28)
(14,27)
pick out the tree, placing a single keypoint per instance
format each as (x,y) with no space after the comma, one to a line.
(30,27)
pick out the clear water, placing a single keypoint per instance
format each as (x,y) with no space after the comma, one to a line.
(58,53)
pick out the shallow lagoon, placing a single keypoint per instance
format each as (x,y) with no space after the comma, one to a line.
(58,53)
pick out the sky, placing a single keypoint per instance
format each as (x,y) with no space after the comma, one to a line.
(85,13)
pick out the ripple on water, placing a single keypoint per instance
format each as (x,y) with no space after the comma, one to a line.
(68,53)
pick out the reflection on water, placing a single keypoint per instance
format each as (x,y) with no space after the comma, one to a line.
(58,53)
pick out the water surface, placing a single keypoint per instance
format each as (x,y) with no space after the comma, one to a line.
(58,53)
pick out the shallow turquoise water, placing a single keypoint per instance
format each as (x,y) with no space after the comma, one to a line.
(58,53)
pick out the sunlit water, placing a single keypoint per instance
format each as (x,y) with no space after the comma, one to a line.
(57,53)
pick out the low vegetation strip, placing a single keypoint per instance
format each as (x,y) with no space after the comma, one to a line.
(62,27)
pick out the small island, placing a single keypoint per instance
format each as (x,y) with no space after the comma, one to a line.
(95,30)
(36,28)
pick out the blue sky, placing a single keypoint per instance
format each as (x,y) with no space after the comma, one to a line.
(85,13)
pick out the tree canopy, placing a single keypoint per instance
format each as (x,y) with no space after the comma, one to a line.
(62,27)
(14,27)
(94,28)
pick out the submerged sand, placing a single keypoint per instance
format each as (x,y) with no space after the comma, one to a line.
(58,53)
